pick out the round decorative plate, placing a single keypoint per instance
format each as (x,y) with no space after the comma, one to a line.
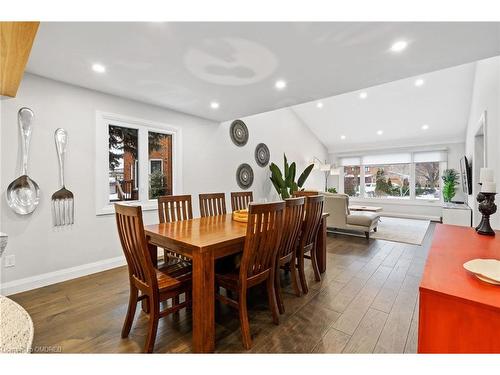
(239,133)
(262,154)
(244,176)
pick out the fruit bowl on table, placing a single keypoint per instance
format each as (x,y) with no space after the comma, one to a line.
(241,216)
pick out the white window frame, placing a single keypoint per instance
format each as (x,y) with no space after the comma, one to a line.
(103,120)
(161,164)
(411,201)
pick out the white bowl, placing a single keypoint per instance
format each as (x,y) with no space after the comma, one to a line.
(487,270)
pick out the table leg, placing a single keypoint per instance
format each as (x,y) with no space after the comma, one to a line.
(153,253)
(203,303)
(321,246)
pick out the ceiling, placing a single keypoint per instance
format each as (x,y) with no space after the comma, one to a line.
(186,66)
(399,109)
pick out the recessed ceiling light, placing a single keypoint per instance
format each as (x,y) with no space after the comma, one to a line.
(319,105)
(425,127)
(419,82)
(380,132)
(99,68)
(280,84)
(363,95)
(399,46)
(214,105)
(342,137)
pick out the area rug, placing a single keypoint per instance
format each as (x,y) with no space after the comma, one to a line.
(401,230)
(16,328)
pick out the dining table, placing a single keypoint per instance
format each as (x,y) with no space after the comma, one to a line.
(204,240)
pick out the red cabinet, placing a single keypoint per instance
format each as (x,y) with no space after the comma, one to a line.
(457,312)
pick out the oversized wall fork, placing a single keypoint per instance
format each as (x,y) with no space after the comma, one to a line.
(62,200)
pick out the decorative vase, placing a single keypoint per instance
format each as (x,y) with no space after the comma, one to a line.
(3,242)
(487,207)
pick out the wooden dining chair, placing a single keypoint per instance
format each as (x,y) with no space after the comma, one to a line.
(212,204)
(286,258)
(258,264)
(146,282)
(240,200)
(312,221)
(174,208)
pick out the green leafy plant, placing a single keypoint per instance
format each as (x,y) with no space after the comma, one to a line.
(156,184)
(284,183)
(450,178)
(332,190)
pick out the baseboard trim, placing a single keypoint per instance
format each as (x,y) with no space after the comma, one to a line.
(38,281)
(410,216)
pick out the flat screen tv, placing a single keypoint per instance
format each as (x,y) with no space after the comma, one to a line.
(466,175)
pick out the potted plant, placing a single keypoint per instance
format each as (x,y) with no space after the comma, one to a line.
(284,183)
(450,179)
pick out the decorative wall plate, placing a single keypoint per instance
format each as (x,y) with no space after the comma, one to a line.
(262,154)
(487,270)
(244,176)
(239,133)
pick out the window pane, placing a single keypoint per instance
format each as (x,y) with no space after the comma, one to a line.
(351,180)
(427,181)
(160,164)
(387,181)
(123,164)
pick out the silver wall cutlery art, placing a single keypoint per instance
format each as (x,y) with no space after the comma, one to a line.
(62,200)
(23,194)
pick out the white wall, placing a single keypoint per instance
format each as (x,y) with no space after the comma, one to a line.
(416,209)
(486,97)
(45,255)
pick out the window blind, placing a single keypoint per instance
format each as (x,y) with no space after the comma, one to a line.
(381,159)
(429,156)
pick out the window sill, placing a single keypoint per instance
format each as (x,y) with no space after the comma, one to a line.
(110,210)
(401,202)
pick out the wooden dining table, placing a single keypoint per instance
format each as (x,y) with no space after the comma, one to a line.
(204,240)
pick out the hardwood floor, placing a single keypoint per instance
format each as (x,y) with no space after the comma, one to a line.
(366,302)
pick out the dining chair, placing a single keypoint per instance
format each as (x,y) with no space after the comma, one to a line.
(240,200)
(258,264)
(286,258)
(312,221)
(174,208)
(146,282)
(212,204)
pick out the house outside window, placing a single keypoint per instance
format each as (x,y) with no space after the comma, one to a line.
(136,160)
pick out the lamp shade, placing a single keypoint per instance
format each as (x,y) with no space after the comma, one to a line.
(325,167)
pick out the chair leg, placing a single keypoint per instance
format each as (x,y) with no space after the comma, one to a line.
(295,281)
(277,291)
(154,317)
(367,235)
(314,260)
(302,274)
(132,306)
(175,302)
(245,325)
(271,296)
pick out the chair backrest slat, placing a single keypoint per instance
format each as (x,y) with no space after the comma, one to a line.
(240,200)
(134,245)
(294,218)
(212,204)
(264,230)
(314,212)
(174,208)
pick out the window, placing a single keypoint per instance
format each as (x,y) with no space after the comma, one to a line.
(123,161)
(160,164)
(387,181)
(352,179)
(404,175)
(427,181)
(136,160)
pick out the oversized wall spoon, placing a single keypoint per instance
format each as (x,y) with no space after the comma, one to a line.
(23,194)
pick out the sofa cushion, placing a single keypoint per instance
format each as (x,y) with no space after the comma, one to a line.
(364,219)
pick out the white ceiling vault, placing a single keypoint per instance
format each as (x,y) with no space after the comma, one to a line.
(407,115)
(186,66)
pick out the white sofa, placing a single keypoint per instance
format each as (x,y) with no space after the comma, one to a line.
(337,205)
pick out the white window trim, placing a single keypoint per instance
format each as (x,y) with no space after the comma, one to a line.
(161,164)
(103,119)
(412,200)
